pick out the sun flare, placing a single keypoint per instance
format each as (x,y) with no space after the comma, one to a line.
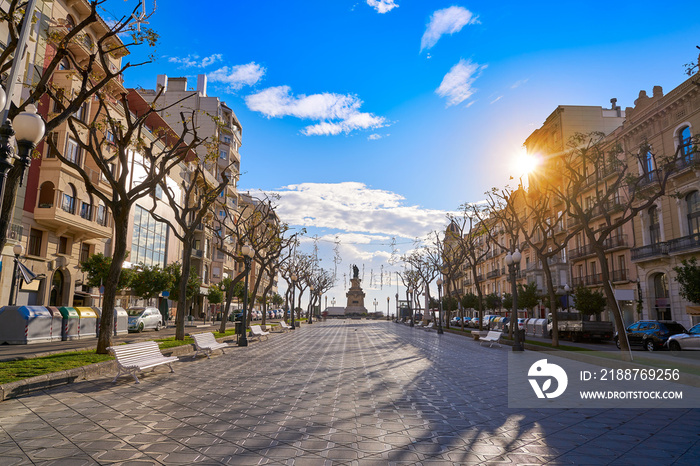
(526,163)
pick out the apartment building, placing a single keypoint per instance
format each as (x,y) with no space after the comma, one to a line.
(218,124)
(669,231)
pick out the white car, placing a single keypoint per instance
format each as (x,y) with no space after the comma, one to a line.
(685,341)
(142,318)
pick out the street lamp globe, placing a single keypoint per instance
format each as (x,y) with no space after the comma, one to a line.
(517,256)
(28,126)
(3,98)
(567,288)
(17,249)
(439,282)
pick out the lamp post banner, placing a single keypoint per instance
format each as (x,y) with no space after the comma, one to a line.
(600,379)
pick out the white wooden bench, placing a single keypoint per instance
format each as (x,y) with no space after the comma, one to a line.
(258,332)
(206,343)
(134,357)
(491,338)
(283,326)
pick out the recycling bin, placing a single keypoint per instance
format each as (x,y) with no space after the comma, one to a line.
(87,325)
(71,323)
(21,325)
(121,320)
(56,323)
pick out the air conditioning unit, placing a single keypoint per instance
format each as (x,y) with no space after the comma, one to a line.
(50,265)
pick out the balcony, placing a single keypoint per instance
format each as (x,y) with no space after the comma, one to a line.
(650,251)
(588,280)
(689,160)
(72,216)
(619,275)
(493,274)
(613,242)
(198,253)
(684,244)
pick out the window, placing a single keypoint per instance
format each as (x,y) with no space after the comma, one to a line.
(158,192)
(654,227)
(34,247)
(73,151)
(648,165)
(82,113)
(223,155)
(661,301)
(68,204)
(69,22)
(51,153)
(227,139)
(63,245)
(149,240)
(64,64)
(101,216)
(84,252)
(693,202)
(685,143)
(109,137)
(86,210)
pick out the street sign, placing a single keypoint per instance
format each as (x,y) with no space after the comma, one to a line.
(165,294)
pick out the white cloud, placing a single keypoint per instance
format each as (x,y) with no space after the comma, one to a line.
(354,207)
(496,99)
(374,137)
(337,113)
(382,6)
(518,83)
(446,21)
(238,76)
(457,85)
(193,61)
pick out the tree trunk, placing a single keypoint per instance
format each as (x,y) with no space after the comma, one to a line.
(552,302)
(611,301)
(121,224)
(184,279)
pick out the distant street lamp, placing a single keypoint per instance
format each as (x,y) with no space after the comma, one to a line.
(248,254)
(567,289)
(17,249)
(397,308)
(375,305)
(439,329)
(513,262)
(333,302)
(387,307)
(311,298)
(294,285)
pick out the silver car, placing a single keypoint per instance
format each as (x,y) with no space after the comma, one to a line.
(142,318)
(685,341)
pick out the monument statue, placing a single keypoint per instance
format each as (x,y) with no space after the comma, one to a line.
(355,272)
(356,297)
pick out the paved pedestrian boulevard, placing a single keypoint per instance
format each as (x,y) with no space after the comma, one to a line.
(340,392)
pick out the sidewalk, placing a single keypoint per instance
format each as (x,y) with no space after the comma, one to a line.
(339,392)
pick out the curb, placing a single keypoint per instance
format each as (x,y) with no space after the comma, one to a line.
(100,369)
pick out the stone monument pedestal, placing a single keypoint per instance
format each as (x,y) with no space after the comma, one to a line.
(356,299)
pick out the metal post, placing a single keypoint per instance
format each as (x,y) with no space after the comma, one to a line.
(13,298)
(439,330)
(311,311)
(243,339)
(387,307)
(293,326)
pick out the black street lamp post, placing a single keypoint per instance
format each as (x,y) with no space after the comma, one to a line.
(397,308)
(513,262)
(439,329)
(294,285)
(387,308)
(375,305)
(248,254)
(17,249)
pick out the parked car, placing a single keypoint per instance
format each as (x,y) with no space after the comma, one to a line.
(685,341)
(651,334)
(142,318)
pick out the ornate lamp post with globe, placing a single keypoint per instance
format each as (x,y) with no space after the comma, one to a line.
(513,262)
(248,254)
(439,329)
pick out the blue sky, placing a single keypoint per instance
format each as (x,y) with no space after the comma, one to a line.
(395,112)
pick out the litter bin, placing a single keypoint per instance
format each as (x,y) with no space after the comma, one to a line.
(21,325)
(121,320)
(87,325)
(238,326)
(71,323)
(56,323)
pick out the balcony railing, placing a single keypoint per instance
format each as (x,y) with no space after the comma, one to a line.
(493,274)
(619,275)
(685,243)
(649,251)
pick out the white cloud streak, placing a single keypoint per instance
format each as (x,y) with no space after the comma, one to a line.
(235,77)
(382,6)
(457,85)
(446,21)
(337,113)
(193,61)
(355,208)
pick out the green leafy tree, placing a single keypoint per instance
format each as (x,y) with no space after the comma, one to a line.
(277,300)
(493,301)
(193,284)
(470,301)
(528,296)
(97,269)
(507,301)
(588,301)
(215,295)
(688,277)
(150,281)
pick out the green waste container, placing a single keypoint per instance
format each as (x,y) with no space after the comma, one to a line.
(71,323)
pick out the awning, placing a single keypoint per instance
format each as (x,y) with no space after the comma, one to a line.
(693,310)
